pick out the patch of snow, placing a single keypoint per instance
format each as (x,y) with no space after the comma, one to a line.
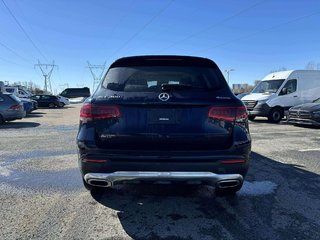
(257,188)
(5,172)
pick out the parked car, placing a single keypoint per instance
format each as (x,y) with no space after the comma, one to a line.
(170,118)
(19,92)
(305,114)
(279,91)
(77,100)
(75,92)
(11,108)
(27,105)
(34,104)
(63,101)
(47,100)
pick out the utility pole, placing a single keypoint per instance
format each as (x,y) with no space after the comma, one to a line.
(46,70)
(228,73)
(96,77)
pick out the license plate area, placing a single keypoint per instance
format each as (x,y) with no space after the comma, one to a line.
(163,116)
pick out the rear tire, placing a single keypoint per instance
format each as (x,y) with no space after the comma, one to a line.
(275,115)
(51,105)
(251,118)
(1,120)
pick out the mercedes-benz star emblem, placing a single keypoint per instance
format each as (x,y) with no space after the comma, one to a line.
(164,97)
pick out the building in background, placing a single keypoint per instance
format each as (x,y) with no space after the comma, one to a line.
(243,87)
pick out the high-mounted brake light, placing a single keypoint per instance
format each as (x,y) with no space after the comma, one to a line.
(91,112)
(230,114)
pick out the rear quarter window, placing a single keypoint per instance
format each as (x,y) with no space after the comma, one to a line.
(150,79)
(13,97)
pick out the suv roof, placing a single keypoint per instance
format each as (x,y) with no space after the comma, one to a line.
(163,60)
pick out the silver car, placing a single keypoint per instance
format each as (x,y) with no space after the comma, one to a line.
(11,108)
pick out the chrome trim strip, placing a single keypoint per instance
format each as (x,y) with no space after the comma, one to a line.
(116,177)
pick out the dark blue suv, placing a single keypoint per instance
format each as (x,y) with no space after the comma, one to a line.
(47,101)
(164,118)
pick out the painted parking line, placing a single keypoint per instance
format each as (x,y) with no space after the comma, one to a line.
(309,150)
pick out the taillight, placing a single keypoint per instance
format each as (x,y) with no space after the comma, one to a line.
(91,112)
(15,107)
(242,114)
(230,114)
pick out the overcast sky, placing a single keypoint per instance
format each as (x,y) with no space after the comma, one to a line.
(251,36)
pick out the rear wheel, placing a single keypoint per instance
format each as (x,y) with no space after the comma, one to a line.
(275,115)
(251,118)
(1,120)
(51,105)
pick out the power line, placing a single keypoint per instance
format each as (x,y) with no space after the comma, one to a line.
(257,32)
(14,52)
(23,30)
(141,29)
(212,26)
(11,62)
(116,26)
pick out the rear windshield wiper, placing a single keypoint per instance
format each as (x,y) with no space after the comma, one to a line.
(166,87)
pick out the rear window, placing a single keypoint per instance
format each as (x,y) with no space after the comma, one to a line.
(15,98)
(150,79)
(9,90)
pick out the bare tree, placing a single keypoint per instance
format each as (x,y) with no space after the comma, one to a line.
(279,69)
(311,65)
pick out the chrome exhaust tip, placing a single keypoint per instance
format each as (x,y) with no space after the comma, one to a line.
(99,183)
(228,183)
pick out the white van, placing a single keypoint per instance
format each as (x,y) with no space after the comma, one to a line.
(20,93)
(279,91)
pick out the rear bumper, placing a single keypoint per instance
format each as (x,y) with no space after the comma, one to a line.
(106,162)
(110,179)
(14,115)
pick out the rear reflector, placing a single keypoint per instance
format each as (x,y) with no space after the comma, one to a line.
(233,161)
(230,114)
(91,112)
(95,160)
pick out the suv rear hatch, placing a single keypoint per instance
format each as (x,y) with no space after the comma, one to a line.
(163,108)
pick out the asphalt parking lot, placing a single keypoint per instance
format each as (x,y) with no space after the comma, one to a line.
(42,196)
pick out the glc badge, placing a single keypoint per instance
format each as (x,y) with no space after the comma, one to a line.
(164,97)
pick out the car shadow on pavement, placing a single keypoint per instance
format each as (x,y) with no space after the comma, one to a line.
(307,126)
(29,115)
(271,205)
(67,106)
(36,113)
(15,125)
